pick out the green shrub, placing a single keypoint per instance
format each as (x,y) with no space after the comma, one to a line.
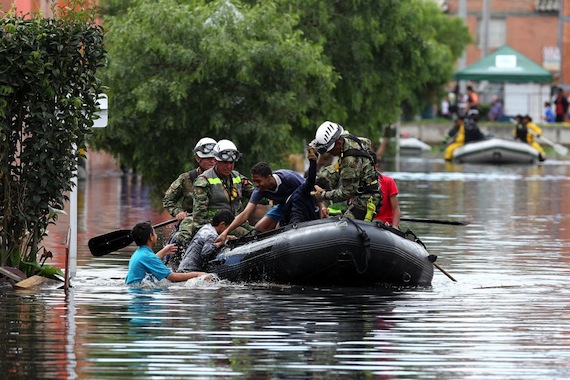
(48,93)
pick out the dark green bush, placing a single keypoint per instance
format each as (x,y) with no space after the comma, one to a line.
(48,93)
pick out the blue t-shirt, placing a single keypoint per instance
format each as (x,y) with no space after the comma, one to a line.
(290,180)
(145,261)
(549,115)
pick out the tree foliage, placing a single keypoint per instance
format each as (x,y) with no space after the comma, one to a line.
(48,92)
(388,53)
(267,74)
(179,72)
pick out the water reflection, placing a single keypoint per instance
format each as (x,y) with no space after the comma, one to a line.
(506,317)
(265,332)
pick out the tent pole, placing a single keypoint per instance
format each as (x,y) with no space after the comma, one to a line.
(560,41)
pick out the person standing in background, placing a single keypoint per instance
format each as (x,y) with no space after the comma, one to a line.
(472,99)
(496,112)
(561,106)
(549,115)
(444,108)
(453,100)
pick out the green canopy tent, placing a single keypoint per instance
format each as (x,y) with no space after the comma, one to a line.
(505,65)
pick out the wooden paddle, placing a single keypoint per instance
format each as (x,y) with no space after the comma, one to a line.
(560,149)
(444,272)
(113,241)
(435,221)
(432,258)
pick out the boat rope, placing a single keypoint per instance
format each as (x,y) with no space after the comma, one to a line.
(408,234)
(365,242)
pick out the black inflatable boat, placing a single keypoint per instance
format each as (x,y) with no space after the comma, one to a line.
(332,252)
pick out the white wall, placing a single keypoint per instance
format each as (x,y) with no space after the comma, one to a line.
(526,99)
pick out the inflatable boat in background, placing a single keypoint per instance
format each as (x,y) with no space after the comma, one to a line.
(496,151)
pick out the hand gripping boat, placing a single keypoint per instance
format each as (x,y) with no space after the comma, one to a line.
(336,251)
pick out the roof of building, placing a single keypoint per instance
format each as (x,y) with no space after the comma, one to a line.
(505,65)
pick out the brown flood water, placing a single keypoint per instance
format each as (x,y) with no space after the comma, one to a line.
(506,317)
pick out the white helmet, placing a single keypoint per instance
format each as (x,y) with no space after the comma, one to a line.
(204,147)
(326,136)
(226,151)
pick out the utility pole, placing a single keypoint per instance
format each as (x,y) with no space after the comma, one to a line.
(485,16)
(462,13)
(71,249)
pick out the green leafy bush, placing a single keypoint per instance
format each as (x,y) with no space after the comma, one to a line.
(48,93)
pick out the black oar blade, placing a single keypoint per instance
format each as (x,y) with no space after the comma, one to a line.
(436,221)
(111,242)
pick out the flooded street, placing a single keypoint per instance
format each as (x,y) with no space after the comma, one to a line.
(506,317)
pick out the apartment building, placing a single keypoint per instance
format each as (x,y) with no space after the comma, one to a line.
(539,29)
(26,6)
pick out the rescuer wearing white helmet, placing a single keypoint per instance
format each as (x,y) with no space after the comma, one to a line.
(353,178)
(221,188)
(226,151)
(204,148)
(178,198)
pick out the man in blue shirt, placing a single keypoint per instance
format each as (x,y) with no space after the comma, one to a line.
(144,262)
(276,186)
(549,115)
(301,205)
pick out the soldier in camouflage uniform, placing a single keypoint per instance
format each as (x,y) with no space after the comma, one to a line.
(178,198)
(221,188)
(353,177)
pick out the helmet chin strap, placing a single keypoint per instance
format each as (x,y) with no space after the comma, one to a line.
(339,143)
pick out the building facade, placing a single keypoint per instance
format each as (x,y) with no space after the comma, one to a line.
(26,6)
(539,29)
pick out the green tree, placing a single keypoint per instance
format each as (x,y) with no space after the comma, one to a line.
(48,92)
(179,72)
(387,53)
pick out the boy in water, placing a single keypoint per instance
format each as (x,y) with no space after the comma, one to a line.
(145,262)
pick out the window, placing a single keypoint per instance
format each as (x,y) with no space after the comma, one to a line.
(496,33)
(547,5)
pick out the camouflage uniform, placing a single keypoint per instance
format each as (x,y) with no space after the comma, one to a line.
(212,193)
(178,198)
(353,177)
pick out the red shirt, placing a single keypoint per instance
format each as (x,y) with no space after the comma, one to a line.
(388,189)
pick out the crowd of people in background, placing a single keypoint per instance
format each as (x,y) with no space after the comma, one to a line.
(455,104)
(465,129)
